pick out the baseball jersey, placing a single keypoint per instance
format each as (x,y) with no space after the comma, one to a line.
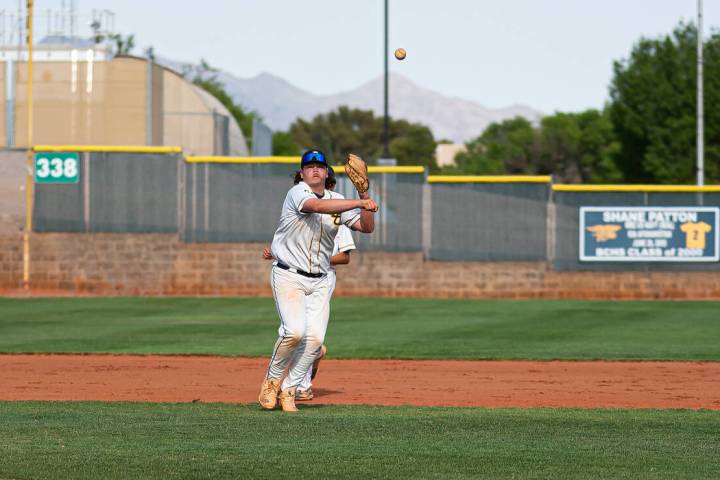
(343,242)
(695,234)
(305,241)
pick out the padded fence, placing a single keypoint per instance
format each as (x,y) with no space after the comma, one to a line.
(399,222)
(489,221)
(565,254)
(125,191)
(61,207)
(225,200)
(233,202)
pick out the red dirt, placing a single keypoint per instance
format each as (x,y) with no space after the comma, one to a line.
(376,382)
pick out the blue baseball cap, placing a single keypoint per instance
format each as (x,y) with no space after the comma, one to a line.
(313,156)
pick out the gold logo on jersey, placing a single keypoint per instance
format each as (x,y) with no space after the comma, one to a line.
(336,219)
(603,233)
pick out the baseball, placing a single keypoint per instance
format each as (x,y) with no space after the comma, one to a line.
(400,54)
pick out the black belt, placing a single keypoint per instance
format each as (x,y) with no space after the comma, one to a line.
(299,272)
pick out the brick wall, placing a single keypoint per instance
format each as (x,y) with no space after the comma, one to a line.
(158,264)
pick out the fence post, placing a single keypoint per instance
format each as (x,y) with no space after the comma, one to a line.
(181,196)
(86,187)
(426,218)
(551,225)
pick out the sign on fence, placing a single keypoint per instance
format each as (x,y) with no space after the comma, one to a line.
(649,234)
(54,167)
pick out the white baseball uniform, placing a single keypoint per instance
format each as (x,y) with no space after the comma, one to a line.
(302,246)
(343,243)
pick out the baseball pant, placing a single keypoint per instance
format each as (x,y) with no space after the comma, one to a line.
(307,381)
(304,308)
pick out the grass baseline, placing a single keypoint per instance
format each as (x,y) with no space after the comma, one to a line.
(140,440)
(369,328)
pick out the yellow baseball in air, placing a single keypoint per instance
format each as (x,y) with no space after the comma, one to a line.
(400,54)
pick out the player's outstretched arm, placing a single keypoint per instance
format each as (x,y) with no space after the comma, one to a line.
(317,205)
(342,258)
(366,224)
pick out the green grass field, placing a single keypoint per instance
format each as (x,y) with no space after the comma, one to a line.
(370,328)
(137,440)
(104,440)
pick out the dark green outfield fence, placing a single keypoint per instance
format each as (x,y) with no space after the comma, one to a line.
(448,218)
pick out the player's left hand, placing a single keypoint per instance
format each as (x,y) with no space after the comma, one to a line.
(267,254)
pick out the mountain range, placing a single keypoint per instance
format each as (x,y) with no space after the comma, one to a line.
(280,103)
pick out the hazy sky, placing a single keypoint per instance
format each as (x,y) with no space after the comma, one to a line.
(549,54)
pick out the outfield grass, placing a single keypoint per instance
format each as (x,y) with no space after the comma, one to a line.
(370,328)
(131,440)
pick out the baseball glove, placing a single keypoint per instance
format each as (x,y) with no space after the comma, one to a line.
(357,172)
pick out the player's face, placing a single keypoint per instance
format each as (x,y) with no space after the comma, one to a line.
(314,175)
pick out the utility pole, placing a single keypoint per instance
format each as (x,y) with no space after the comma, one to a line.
(386,120)
(700,106)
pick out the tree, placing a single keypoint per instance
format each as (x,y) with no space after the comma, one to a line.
(598,148)
(573,147)
(205,77)
(283,144)
(579,148)
(360,131)
(412,144)
(123,44)
(653,107)
(507,147)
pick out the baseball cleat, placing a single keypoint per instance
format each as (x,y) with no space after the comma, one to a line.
(287,401)
(269,393)
(304,395)
(316,363)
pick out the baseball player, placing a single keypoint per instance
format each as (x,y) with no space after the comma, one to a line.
(302,246)
(344,244)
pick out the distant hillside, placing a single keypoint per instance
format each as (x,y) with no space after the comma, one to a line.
(280,103)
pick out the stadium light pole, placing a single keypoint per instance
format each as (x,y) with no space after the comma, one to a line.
(386,119)
(700,106)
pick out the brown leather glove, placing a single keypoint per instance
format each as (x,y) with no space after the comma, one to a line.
(357,172)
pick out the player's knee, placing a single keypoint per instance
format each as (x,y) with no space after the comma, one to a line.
(293,337)
(314,343)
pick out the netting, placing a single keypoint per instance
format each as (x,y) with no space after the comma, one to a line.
(233,202)
(135,193)
(60,207)
(399,222)
(241,202)
(116,192)
(489,221)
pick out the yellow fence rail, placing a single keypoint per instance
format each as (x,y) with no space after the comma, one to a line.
(106,149)
(296,160)
(489,179)
(218,159)
(636,188)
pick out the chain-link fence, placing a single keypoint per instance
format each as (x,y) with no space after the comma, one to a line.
(493,219)
(239,200)
(228,200)
(224,199)
(123,191)
(399,222)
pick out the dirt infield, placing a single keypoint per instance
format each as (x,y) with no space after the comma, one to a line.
(376,382)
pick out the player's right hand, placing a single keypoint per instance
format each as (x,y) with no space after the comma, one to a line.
(267,254)
(369,205)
